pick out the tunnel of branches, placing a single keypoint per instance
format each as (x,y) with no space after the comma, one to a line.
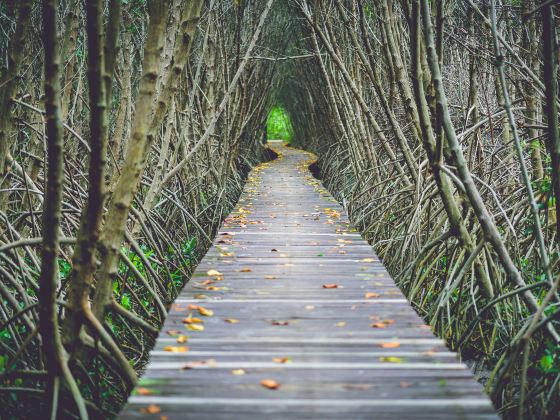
(128,128)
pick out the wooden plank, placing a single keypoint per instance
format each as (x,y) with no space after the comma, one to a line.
(357,350)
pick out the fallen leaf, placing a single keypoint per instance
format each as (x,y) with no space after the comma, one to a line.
(270,384)
(341,324)
(391,359)
(273,250)
(231,320)
(270,277)
(283,323)
(143,391)
(151,409)
(182,339)
(191,320)
(331,286)
(238,372)
(204,311)
(195,327)
(310,307)
(379,325)
(371,295)
(404,384)
(282,360)
(173,332)
(368,260)
(213,273)
(245,270)
(192,365)
(390,345)
(193,307)
(176,349)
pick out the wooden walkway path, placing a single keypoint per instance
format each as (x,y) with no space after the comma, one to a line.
(300,320)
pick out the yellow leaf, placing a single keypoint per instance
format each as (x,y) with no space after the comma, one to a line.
(231,320)
(182,339)
(341,324)
(176,349)
(368,260)
(195,327)
(245,270)
(238,372)
(391,359)
(191,320)
(213,273)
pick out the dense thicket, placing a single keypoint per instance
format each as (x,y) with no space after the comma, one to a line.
(127,129)
(436,125)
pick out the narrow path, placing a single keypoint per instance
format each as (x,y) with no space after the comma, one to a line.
(302,304)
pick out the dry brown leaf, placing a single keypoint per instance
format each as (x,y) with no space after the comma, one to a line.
(331,286)
(270,277)
(245,270)
(282,360)
(204,311)
(231,320)
(151,409)
(379,325)
(143,391)
(191,320)
(371,295)
(270,384)
(390,345)
(283,323)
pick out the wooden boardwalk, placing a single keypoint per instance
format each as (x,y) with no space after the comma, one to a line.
(302,321)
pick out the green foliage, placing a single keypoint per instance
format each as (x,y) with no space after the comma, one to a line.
(279,126)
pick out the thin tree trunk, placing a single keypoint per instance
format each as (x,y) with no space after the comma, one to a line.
(55,355)
(550,47)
